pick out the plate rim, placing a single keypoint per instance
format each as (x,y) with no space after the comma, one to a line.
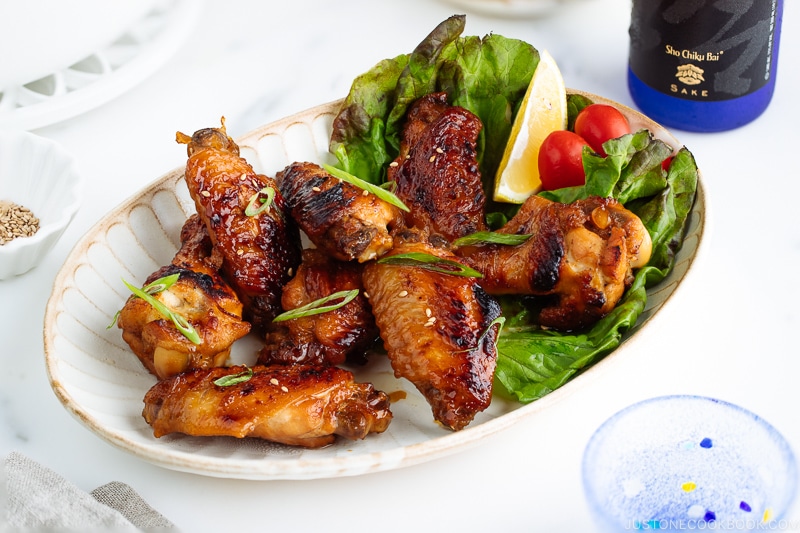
(400,456)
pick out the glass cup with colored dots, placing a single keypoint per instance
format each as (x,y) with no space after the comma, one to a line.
(678,463)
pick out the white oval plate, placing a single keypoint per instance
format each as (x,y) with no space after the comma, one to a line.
(100,381)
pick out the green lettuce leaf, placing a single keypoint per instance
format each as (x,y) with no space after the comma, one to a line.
(533,362)
(488,76)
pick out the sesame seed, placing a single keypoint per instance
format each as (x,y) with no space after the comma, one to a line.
(403,294)
(432,159)
(284,389)
(243,177)
(315,189)
(439,150)
(366,295)
(394,164)
(16,221)
(239,251)
(365,193)
(428,312)
(273,381)
(205,193)
(290,271)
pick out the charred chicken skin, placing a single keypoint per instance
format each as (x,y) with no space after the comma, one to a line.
(296,405)
(260,251)
(438,330)
(343,220)
(436,172)
(201,296)
(329,338)
(579,254)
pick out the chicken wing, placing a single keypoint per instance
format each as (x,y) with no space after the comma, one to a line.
(580,254)
(296,405)
(326,338)
(199,295)
(260,250)
(338,217)
(438,329)
(437,173)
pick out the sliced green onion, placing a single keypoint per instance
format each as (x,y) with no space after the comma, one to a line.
(266,203)
(154,287)
(431,262)
(491,237)
(318,306)
(180,322)
(233,379)
(161,284)
(380,192)
(390,186)
(499,320)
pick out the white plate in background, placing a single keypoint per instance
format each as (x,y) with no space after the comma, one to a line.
(99,68)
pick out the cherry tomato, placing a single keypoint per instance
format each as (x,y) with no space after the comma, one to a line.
(598,123)
(561,161)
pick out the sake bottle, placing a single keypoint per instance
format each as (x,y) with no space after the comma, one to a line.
(703,65)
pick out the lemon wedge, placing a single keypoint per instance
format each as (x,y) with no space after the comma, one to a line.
(543,110)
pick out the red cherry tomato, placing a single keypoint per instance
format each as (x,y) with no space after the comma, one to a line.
(598,123)
(561,160)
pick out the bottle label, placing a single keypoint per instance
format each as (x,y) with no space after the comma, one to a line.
(703,49)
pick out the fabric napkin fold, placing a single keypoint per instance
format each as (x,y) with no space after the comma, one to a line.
(39,499)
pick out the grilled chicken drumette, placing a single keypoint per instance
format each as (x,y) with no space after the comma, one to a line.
(343,220)
(260,247)
(297,405)
(200,296)
(328,338)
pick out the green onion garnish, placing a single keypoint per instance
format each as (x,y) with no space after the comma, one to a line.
(161,284)
(380,192)
(181,323)
(431,262)
(252,210)
(233,379)
(318,306)
(491,237)
(499,320)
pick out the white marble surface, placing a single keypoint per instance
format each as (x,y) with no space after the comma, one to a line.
(728,335)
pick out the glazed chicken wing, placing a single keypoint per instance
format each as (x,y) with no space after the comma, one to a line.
(437,173)
(296,405)
(201,296)
(260,250)
(438,330)
(338,217)
(326,338)
(580,254)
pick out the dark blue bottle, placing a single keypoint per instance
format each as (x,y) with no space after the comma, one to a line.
(704,65)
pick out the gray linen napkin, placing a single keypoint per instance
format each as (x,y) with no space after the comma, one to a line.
(41,500)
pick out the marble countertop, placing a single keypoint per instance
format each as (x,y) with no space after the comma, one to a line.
(727,335)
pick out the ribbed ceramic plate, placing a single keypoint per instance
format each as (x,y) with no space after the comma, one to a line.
(101,382)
